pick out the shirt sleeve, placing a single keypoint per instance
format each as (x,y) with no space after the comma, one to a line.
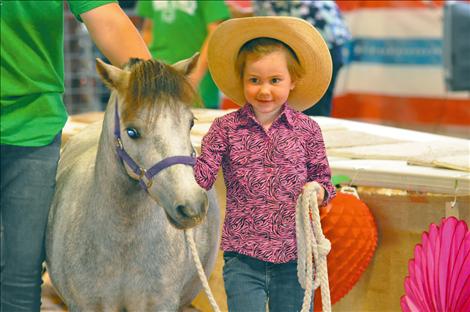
(318,168)
(80,7)
(213,148)
(214,11)
(144,8)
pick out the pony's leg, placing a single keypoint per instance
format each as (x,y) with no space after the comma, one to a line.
(73,308)
(188,308)
(151,304)
(101,307)
(110,309)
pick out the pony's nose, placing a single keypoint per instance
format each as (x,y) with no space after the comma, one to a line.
(192,210)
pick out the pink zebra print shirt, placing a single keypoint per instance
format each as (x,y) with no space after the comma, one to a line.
(264,173)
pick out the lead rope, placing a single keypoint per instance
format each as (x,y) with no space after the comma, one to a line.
(311,242)
(200,271)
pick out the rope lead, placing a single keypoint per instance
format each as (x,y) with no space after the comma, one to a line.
(200,270)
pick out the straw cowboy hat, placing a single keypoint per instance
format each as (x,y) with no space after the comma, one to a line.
(302,37)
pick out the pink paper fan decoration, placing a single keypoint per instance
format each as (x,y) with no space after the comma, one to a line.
(439,274)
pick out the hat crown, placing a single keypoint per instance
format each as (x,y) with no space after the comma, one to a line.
(306,42)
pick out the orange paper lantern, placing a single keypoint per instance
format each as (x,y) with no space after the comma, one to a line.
(349,225)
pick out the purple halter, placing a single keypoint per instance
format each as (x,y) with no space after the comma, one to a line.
(143,173)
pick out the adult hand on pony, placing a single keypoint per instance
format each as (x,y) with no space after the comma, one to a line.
(315,186)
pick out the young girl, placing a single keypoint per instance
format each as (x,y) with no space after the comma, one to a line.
(274,67)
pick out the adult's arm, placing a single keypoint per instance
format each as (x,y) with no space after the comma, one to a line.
(115,34)
(146,31)
(201,68)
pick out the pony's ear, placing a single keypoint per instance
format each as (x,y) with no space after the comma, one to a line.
(188,65)
(112,76)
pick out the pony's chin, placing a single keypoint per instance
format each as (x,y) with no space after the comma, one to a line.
(184,224)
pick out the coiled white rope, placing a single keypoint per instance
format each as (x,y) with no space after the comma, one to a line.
(311,242)
(200,271)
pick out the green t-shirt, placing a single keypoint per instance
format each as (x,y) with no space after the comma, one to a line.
(179,31)
(32,69)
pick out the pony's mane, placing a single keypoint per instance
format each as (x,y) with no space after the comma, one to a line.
(153,82)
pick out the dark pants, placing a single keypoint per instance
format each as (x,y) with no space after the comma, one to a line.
(27,187)
(324,106)
(251,283)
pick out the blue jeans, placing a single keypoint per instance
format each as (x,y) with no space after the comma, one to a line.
(27,187)
(251,283)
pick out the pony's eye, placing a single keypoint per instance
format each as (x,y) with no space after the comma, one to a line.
(192,123)
(133,133)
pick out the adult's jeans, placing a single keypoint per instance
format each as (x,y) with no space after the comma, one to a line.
(250,284)
(27,186)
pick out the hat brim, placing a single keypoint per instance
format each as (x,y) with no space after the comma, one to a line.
(299,35)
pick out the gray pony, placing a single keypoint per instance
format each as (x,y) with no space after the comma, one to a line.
(114,240)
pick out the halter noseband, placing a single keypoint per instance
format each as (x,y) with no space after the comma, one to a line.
(145,175)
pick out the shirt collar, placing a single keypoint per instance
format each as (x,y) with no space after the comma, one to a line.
(286,115)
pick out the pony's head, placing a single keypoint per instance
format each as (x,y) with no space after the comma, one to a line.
(150,105)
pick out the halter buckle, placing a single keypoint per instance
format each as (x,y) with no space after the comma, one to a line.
(119,143)
(143,178)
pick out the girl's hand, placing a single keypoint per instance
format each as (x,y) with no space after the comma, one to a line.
(317,188)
